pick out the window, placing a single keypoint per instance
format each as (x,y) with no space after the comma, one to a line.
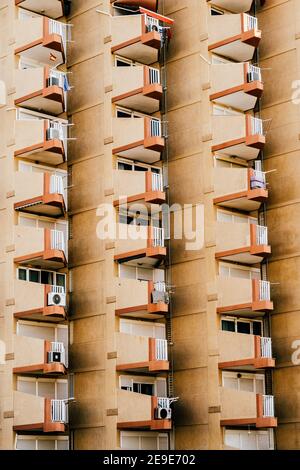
(222,161)
(44,331)
(42,442)
(223,111)
(133,440)
(127,113)
(231,217)
(242,325)
(218,60)
(242,272)
(47,388)
(123,62)
(26,167)
(41,276)
(144,385)
(216,11)
(244,382)
(143,328)
(131,166)
(251,439)
(141,274)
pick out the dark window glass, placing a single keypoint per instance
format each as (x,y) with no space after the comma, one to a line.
(22,274)
(228,325)
(124,166)
(243,327)
(123,114)
(61,280)
(120,63)
(47,278)
(140,168)
(257,328)
(34,276)
(214,12)
(155,170)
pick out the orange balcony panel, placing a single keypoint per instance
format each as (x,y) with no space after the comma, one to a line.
(243,296)
(137,88)
(234,6)
(133,187)
(242,243)
(149,4)
(35,91)
(31,302)
(234,36)
(37,193)
(35,40)
(52,9)
(142,304)
(34,413)
(137,411)
(241,408)
(239,188)
(35,142)
(141,354)
(236,85)
(240,351)
(238,136)
(31,358)
(138,139)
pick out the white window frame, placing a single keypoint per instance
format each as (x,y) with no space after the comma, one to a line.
(130,62)
(221,11)
(21,437)
(257,432)
(244,375)
(141,380)
(232,162)
(54,273)
(231,266)
(45,169)
(54,222)
(225,111)
(54,326)
(134,163)
(140,435)
(133,114)
(154,325)
(38,380)
(235,320)
(136,273)
(236,218)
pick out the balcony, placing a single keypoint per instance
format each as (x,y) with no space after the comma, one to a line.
(139,245)
(141,354)
(139,139)
(236,85)
(150,300)
(33,413)
(243,296)
(37,302)
(247,352)
(238,136)
(38,357)
(41,89)
(52,9)
(42,39)
(242,242)
(40,194)
(138,186)
(137,411)
(41,140)
(241,408)
(240,188)
(234,6)
(138,37)
(39,247)
(234,36)
(149,4)
(138,88)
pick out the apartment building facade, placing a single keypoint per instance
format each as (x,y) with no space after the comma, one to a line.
(117,335)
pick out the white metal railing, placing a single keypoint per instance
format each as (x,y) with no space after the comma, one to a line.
(152,24)
(160,286)
(161,349)
(264,290)
(57,185)
(62,29)
(57,240)
(254,73)
(59,411)
(154,75)
(158,238)
(261,235)
(157,182)
(268,406)
(59,348)
(163,402)
(266,347)
(250,22)
(256,126)
(58,78)
(155,128)
(56,130)
(258,179)
(57,289)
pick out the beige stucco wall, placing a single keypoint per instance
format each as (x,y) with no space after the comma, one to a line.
(28,185)
(127,131)
(230,180)
(125,28)
(131,348)
(28,409)
(127,79)
(235,346)
(28,351)
(223,27)
(124,289)
(29,81)
(27,296)
(226,128)
(231,236)
(237,405)
(129,183)
(130,238)
(225,76)
(28,133)
(28,31)
(28,240)
(233,291)
(133,407)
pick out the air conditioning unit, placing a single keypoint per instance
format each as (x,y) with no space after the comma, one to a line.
(158,296)
(163,413)
(57,299)
(53,81)
(54,356)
